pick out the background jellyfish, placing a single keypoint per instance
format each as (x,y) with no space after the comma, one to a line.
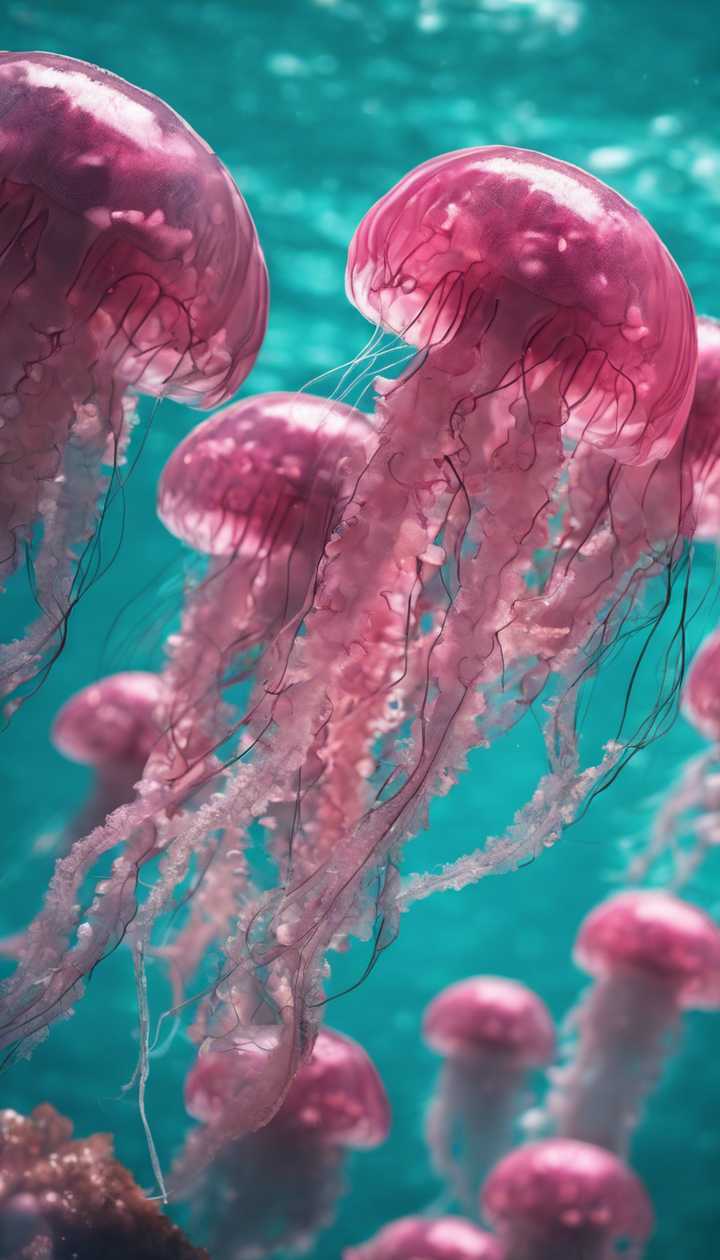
(569,1201)
(428,1238)
(491,1033)
(128,264)
(65,1198)
(275,1189)
(112,726)
(550,320)
(653,957)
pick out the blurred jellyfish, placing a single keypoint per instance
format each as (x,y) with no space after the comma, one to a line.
(491,1033)
(565,1200)
(112,726)
(277,1188)
(428,1238)
(652,957)
(69,1199)
(128,264)
(550,321)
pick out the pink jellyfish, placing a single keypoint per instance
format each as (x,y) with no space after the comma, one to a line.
(259,489)
(653,957)
(277,1188)
(428,1238)
(549,321)
(128,264)
(491,1033)
(112,726)
(566,1200)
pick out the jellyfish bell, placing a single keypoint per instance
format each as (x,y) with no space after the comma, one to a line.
(336,1094)
(110,723)
(428,1238)
(565,1199)
(491,1033)
(487,1013)
(262,473)
(130,264)
(275,1188)
(654,933)
(113,725)
(534,264)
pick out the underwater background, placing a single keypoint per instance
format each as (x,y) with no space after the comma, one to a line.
(317,107)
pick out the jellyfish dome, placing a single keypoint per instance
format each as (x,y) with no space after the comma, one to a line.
(130,264)
(112,726)
(428,1238)
(543,258)
(110,722)
(489,1013)
(567,1200)
(261,473)
(656,933)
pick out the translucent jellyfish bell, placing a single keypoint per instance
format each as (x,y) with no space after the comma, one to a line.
(129,263)
(428,1238)
(565,1200)
(262,474)
(113,725)
(543,258)
(110,723)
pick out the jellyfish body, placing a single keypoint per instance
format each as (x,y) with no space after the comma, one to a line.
(566,1200)
(652,957)
(259,489)
(130,264)
(277,1188)
(491,1032)
(428,1238)
(111,726)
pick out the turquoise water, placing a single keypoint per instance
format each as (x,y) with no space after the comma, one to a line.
(317,108)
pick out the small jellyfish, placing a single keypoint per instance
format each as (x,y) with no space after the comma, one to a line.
(491,1032)
(129,264)
(566,1200)
(65,1198)
(428,1238)
(278,1187)
(112,726)
(652,957)
(258,488)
